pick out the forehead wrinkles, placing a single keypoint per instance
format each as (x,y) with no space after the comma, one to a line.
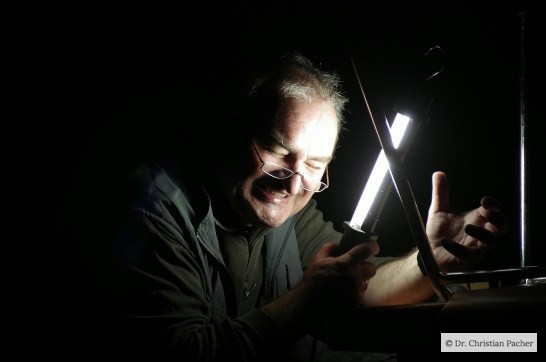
(302,127)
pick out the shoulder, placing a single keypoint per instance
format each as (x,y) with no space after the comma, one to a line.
(164,190)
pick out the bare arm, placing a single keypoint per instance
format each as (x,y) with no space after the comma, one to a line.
(458,241)
(399,282)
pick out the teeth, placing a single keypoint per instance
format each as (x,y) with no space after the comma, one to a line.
(276,193)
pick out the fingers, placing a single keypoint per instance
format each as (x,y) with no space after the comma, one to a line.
(358,253)
(486,237)
(355,259)
(326,250)
(440,193)
(490,209)
(489,202)
(365,286)
(354,263)
(341,281)
(363,250)
(466,254)
(366,270)
(361,292)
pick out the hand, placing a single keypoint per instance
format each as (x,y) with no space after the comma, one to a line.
(459,239)
(330,284)
(340,282)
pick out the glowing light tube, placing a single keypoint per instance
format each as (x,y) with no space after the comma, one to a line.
(397,131)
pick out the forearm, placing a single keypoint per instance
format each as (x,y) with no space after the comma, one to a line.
(291,313)
(399,282)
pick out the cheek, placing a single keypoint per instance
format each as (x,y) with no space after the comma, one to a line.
(249,177)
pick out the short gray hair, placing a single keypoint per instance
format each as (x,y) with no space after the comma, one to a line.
(293,75)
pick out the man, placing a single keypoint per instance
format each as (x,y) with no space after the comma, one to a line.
(231,260)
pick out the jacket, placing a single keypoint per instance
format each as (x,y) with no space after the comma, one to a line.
(165,271)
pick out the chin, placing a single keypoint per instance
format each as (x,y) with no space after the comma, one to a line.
(273,224)
(269,221)
(270,217)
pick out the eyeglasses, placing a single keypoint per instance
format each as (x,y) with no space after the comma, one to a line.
(283,173)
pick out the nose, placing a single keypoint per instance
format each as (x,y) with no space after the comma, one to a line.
(293,184)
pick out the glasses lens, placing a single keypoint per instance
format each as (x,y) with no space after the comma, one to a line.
(276,171)
(307,183)
(315,186)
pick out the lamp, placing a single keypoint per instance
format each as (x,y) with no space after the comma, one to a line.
(360,228)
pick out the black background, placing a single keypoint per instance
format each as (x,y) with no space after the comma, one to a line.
(77,79)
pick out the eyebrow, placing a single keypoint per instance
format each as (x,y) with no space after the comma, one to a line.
(282,141)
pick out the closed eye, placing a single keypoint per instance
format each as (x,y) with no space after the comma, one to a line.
(275,154)
(314,168)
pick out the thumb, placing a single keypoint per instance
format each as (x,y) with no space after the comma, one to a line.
(440,193)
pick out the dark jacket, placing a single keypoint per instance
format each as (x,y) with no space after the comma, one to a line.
(164,290)
(167,284)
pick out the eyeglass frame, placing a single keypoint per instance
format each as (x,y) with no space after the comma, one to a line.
(292,173)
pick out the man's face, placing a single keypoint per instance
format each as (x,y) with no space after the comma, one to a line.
(303,140)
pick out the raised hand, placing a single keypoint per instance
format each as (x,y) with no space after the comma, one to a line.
(459,239)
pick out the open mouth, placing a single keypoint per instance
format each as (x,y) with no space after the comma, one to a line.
(270,195)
